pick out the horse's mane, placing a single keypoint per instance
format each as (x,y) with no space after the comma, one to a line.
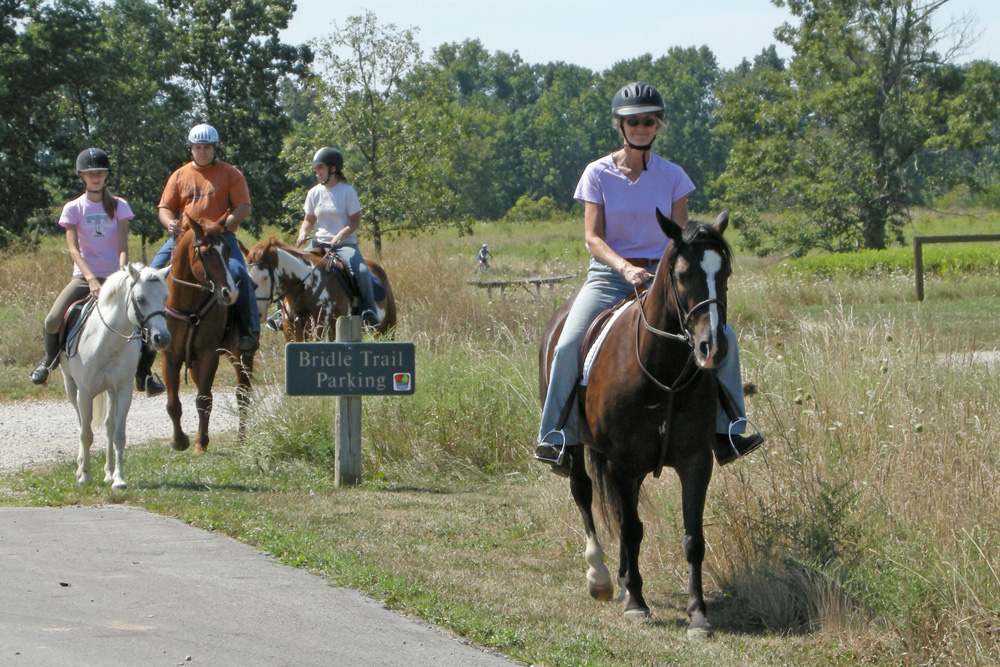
(114,284)
(703,233)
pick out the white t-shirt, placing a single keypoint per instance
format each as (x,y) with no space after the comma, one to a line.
(630,226)
(333,208)
(97,234)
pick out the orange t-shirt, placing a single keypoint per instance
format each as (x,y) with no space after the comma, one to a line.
(205,193)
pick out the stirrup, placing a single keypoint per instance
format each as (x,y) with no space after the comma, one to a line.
(736,422)
(558,460)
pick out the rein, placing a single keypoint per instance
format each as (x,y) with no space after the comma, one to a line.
(141,329)
(684,320)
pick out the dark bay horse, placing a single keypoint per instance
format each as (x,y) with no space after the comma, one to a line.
(310,294)
(650,402)
(201,291)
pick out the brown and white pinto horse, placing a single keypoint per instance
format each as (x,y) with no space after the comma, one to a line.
(310,294)
(201,291)
(650,403)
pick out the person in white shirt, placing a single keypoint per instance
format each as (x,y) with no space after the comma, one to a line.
(332,216)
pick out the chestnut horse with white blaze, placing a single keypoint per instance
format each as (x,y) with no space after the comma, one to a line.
(650,401)
(202,327)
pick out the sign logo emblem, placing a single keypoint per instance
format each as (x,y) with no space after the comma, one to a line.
(401,381)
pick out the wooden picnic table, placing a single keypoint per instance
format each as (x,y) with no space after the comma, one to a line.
(525,283)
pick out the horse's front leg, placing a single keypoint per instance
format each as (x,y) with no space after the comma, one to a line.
(171,380)
(580,485)
(244,376)
(205,376)
(118,406)
(631,531)
(85,413)
(694,487)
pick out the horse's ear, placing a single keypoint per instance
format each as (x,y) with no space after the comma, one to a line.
(722,221)
(669,227)
(243,248)
(198,229)
(133,272)
(163,273)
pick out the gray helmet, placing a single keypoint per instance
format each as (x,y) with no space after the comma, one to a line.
(93,159)
(203,134)
(636,98)
(331,157)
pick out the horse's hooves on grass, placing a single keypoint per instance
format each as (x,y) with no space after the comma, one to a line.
(180,445)
(700,633)
(604,592)
(85,479)
(200,449)
(117,486)
(637,614)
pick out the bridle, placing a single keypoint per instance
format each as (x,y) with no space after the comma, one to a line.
(276,295)
(684,321)
(199,252)
(142,327)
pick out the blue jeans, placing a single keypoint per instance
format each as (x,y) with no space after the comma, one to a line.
(349,253)
(604,288)
(246,304)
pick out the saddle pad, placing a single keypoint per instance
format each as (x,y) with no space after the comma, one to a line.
(378,290)
(599,341)
(80,310)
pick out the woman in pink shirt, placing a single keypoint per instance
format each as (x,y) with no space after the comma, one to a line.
(96,226)
(620,193)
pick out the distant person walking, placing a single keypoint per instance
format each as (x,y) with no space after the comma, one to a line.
(483,261)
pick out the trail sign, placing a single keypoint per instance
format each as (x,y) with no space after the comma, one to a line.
(349,369)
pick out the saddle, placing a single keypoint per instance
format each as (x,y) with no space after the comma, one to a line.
(72,324)
(339,268)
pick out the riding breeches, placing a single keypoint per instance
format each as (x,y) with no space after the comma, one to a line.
(76,289)
(604,288)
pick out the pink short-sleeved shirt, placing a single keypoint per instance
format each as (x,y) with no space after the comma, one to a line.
(96,232)
(630,226)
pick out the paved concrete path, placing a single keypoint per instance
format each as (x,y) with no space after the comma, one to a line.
(119,586)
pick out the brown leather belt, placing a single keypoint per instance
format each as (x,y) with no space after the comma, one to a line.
(641,262)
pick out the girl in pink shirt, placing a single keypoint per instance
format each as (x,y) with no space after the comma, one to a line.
(96,226)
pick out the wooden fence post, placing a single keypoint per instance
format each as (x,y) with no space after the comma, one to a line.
(348,445)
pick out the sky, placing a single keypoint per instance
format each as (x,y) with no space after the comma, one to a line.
(597,34)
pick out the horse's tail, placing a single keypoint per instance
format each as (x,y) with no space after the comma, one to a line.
(100,411)
(608,495)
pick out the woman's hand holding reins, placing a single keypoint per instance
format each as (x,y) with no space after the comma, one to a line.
(635,275)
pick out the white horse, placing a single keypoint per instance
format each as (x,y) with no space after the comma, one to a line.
(98,375)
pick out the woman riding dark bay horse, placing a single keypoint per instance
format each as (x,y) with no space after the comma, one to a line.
(650,401)
(201,327)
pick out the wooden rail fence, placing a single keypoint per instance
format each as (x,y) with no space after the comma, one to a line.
(525,283)
(918,252)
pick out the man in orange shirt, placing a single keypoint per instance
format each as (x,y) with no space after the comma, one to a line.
(208,189)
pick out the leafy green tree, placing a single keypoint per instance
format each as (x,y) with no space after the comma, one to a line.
(840,130)
(397,139)
(233,62)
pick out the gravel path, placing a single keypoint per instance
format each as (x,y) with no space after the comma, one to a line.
(37,431)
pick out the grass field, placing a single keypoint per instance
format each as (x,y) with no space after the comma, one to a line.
(865,532)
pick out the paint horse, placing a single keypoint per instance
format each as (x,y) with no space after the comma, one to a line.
(311,293)
(202,327)
(650,401)
(100,363)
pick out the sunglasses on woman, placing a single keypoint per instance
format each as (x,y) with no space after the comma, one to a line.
(648,121)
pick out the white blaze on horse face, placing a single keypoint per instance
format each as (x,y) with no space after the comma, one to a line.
(711,264)
(229,277)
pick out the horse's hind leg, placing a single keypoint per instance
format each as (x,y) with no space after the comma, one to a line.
(598,578)
(694,486)
(631,532)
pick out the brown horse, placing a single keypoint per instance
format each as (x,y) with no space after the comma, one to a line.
(310,293)
(649,403)
(201,291)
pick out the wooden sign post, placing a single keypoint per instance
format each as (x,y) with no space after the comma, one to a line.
(349,369)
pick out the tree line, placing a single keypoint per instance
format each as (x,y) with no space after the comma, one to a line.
(829,149)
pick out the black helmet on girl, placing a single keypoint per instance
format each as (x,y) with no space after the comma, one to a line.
(331,157)
(93,159)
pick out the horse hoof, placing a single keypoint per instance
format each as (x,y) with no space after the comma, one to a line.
(637,614)
(200,449)
(700,633)
(84,479)
(119,485)
(180,445)
(604,592)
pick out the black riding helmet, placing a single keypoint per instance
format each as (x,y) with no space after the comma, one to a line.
(634,99)
(93,159)
(331,157)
